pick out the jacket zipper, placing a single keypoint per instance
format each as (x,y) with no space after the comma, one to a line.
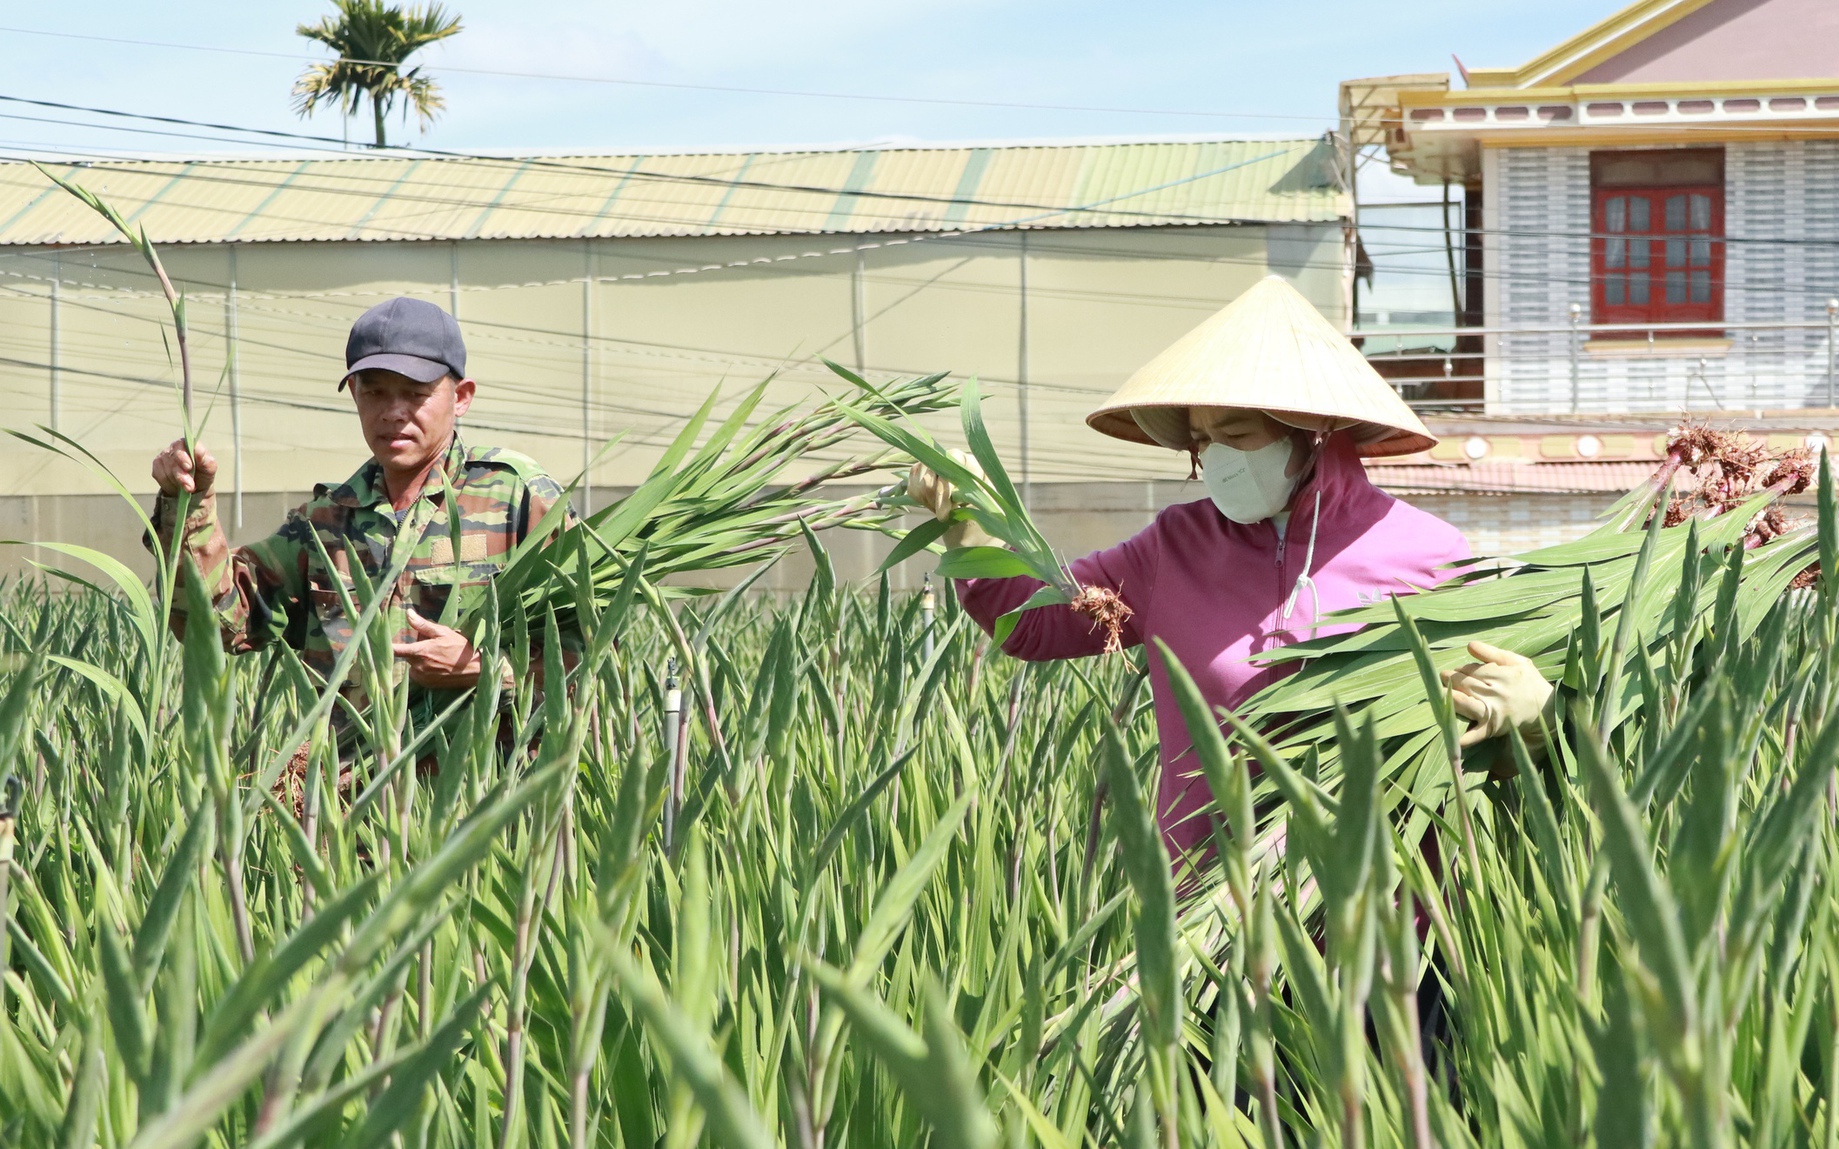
(1282,540)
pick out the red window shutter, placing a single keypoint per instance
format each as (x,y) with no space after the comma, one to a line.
(1657,254)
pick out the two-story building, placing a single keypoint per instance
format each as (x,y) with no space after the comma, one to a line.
(1651,232)
(1659,207)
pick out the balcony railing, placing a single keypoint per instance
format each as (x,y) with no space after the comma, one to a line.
(1577,367)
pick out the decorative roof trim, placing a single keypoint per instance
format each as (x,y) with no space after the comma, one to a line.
(1599,42)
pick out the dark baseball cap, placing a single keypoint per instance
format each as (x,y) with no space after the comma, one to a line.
(408,336)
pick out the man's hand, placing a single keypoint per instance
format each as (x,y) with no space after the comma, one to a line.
(176,471)
(1502,691)
(440,657)
(935,492)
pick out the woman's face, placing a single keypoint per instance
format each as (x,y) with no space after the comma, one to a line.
(1240,428)
(1243,429)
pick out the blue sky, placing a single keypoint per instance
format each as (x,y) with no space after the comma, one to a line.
(1274,65)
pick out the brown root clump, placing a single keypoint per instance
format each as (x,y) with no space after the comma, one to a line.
(1722,469)
(1770,524)
(290,787)
(1103,606)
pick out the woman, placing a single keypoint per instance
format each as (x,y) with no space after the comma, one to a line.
(1277,409)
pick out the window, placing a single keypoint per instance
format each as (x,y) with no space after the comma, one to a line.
(1656,250)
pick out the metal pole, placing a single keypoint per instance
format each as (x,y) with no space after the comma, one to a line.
(1350,243)
(57,276)
(453,279)
(587,376)
(858,307)
(673,710)
(1705,382)
(1449,253)
(236,394)
(1577,315)
(928,607)
(1021,376)
(1832,332)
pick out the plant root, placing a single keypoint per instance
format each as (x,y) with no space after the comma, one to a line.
(1722,469)
(290,786)
(1103,606)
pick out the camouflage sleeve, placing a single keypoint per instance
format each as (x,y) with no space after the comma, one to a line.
(540,493)
(253,589)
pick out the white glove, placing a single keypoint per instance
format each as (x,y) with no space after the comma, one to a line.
(1503,691)
(935,492)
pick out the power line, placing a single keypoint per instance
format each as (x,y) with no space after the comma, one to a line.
(267,400)
(569,341)
(1177,218)
(562,341)
(633,173)
(916,238)
(656,436)
(526,393)
(1072,394)
(725,182)
(800,93)
(135,131)
(1545,279)
(990,239)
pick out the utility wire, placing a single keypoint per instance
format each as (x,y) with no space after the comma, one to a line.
(801,93)
(740,224)
(994,240)
(594,169)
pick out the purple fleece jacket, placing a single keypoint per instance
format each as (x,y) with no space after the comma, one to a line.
(1215,592)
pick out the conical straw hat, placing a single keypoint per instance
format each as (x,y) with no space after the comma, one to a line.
(1268,350)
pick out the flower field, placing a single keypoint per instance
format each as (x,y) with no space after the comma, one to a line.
(832,871)
(877,884)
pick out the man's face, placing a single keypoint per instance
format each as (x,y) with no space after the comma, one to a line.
(406,423)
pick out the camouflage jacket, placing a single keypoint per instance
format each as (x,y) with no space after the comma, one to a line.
(279,589)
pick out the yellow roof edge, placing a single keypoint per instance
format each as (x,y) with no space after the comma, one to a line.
(1419,98)
(1607,37)
(1636,137)
(1815,84)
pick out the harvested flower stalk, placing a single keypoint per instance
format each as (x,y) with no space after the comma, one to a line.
(990,499)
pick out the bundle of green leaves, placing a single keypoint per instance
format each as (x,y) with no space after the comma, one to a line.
(988,497)
(717,503)
(1614,618)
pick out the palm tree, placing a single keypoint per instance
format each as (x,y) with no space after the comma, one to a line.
(373,39)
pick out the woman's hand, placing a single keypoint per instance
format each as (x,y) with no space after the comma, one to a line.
(935,492)
(1501,691)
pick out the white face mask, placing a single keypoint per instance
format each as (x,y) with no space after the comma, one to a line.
(1248,486)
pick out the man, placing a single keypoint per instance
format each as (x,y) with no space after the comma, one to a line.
(405,365)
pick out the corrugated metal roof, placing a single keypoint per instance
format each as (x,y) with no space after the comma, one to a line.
(1510,478)
(859,191)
